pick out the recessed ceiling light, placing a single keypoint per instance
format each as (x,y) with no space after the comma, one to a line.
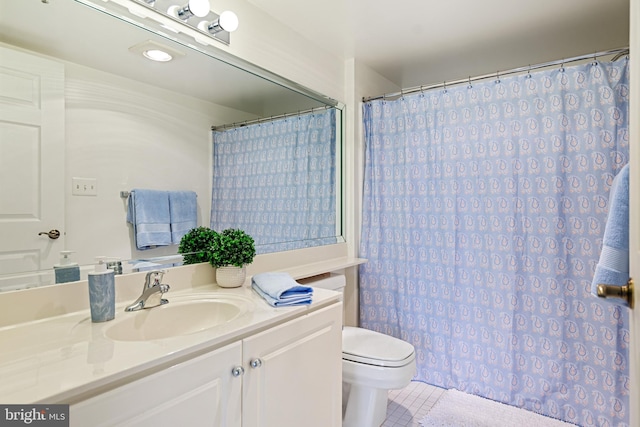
(157,55)
(156,51)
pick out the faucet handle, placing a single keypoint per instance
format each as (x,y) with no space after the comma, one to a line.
(154,278)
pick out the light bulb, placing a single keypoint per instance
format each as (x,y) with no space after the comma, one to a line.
(199,8)
(228,21)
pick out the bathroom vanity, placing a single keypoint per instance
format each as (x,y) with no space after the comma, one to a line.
(249,365)
(282,376)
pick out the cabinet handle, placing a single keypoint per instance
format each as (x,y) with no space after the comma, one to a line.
(237,371)
(256,363)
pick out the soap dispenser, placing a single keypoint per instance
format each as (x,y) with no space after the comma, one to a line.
(66,271)
(102,294)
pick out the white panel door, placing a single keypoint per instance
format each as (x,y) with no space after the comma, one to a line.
(31,161)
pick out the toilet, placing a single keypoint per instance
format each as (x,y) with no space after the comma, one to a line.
(372,364)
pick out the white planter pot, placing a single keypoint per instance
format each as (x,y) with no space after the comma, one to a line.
(230,276)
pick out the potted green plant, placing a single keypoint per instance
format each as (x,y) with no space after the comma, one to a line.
(231,250)
(196,245)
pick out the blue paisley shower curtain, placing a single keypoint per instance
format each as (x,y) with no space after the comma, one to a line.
(484,212)
(276,180)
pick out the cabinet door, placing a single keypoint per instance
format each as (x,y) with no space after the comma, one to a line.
(198,392)
(293,373)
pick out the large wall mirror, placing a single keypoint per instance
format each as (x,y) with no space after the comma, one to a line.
(85,118)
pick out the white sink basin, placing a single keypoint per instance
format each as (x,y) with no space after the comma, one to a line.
(181,316)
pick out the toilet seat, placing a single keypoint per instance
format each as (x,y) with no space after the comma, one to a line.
(373,348)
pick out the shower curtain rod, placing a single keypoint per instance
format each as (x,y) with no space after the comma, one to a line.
(270,118)
(617,52)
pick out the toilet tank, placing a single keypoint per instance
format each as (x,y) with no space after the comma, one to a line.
(332,281)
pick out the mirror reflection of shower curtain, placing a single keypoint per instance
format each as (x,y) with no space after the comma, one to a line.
(483,215)
(276,180)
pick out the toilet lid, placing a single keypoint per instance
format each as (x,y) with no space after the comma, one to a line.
(373,348)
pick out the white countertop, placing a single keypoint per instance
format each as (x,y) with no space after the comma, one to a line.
(67,358)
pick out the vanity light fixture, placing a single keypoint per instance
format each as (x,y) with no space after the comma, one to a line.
(179,19)
(199,8)
(227,21)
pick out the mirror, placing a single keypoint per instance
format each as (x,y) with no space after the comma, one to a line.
(128,123)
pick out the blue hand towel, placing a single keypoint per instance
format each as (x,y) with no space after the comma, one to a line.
(613,266)
(149,213)
(279,289)
(183,207)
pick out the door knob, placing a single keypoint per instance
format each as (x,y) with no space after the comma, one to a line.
(53,234)
(625,292)
(256,363)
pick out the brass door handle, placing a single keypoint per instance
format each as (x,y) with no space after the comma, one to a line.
(53,234)
(610,291)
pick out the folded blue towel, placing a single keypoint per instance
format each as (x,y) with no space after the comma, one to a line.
(149,213)
(183,207)
(613,266)
(300,300)
(279,289)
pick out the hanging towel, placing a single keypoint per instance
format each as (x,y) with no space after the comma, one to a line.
(183,207)
(613,266)
(279,289)
(149,213)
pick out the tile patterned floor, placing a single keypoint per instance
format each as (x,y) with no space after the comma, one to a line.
(408,406)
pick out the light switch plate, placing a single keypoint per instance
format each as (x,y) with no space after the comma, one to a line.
(84,186)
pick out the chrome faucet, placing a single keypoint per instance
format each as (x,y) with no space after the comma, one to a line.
(151,292)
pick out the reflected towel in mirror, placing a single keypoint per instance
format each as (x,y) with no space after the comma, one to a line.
(183,207)
(149,214)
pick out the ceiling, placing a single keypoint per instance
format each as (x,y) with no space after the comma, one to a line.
(420,42)
(410,42)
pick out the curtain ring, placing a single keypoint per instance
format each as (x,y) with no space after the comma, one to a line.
(470,86)
(444,85)
(562,66)
(497,77)
(529,72)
